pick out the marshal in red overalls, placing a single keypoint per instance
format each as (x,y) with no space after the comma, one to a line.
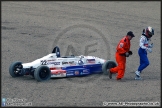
(122,47)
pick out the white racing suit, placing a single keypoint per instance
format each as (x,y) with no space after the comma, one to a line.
(144,47)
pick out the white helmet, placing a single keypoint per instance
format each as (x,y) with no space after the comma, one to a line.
(148,32)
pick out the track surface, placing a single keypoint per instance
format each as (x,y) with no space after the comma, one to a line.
(30,30)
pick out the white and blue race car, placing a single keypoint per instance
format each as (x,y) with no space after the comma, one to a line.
(53,65)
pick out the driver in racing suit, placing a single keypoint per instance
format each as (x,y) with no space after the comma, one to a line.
(144,47)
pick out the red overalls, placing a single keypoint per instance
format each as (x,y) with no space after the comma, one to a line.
(122,47)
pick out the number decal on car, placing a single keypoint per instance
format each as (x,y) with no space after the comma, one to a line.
(44,62)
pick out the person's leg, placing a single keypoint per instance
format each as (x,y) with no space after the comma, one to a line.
(140,52)
(144,62)
(121,70)
(115,69)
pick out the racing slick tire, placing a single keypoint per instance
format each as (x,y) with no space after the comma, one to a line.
(15,69)
(42,73)
(107,65)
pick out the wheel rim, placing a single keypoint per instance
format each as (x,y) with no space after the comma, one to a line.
(17,69)
(110,66)
(43,74)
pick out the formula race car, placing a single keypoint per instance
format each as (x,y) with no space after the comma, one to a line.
(53,65)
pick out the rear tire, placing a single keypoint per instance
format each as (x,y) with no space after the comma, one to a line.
(15,69)
(42,73)
(107,65)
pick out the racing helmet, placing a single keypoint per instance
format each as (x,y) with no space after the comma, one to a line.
(149,32)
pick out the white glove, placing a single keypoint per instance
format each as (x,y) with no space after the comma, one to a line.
(150,45)
(149,50)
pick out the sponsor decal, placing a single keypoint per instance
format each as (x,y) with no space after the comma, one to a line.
(121,45)
(55,63)
(70,62)
(58,74)
(51,60)
(85,72)
(76,72)
(82,73)
(146,45)
(63,63)
(52,68)
(69,73)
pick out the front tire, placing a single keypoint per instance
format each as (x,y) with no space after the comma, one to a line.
(107,65)
(42,73)
(15,69)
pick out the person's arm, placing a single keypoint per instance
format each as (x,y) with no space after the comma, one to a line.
(141,43)
(143,46)
(121,48)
